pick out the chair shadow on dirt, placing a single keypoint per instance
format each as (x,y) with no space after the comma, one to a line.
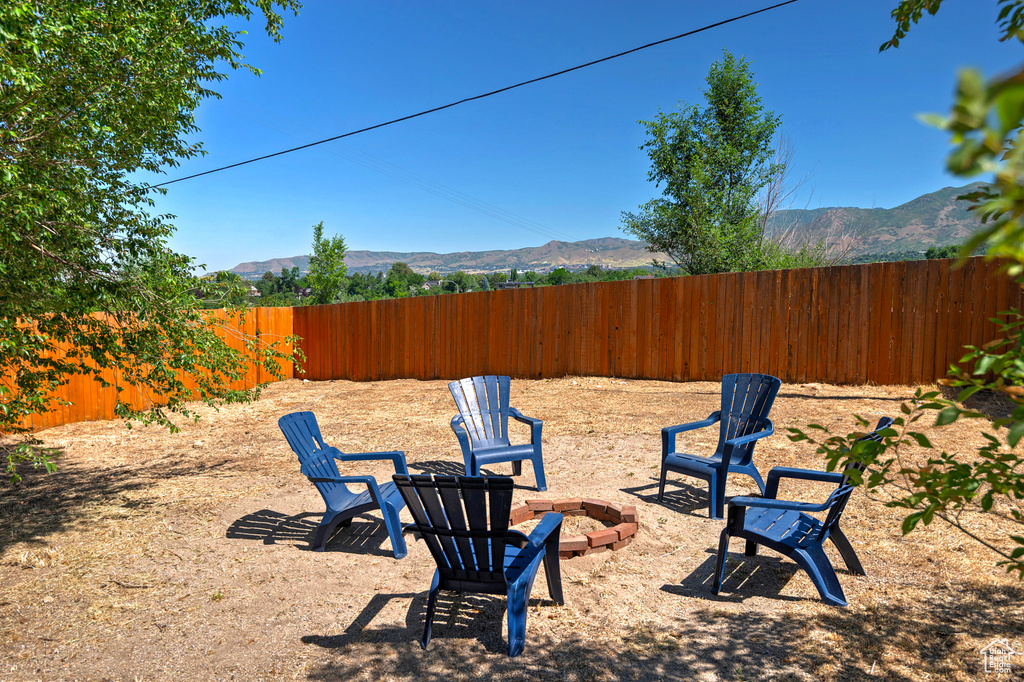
(366,535)
(680,496)
(925,639)
(445,467)
(45,504)
(459,616)
(764,575)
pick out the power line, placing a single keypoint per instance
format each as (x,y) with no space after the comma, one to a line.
(408,177)
(476,97)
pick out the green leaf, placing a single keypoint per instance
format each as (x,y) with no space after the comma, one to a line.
(921,439)
(948,415)
(910,523)
(1014,436)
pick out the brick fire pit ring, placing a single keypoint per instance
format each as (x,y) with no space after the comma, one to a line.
(596,541)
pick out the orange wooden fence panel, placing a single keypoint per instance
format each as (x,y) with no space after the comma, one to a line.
(90,401)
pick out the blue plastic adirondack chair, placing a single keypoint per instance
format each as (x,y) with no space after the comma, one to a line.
(788,527)
(451,513)
(482,427)
(317,464)
(746,401)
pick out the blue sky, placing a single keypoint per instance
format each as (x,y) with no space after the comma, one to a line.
(559,159)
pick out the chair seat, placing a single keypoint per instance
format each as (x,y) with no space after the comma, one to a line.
(786,527)
(341,498)
(695,464)
(503,453)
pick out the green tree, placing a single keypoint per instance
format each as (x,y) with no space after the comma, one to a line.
(948,251)
(326,275)
(92,93)
(986,128)
(713,163)
(402,281)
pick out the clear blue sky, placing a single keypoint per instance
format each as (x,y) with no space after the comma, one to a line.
(559,159)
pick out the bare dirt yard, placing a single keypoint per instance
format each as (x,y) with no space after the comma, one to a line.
(157,556)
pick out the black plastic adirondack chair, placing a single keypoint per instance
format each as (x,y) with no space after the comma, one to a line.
(743,420)
(482,427)
(451,513)
(788,527)
(317,464)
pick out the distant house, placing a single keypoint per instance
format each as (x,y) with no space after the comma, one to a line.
(432,284)
(513,285)
(643,276)
(254,292)
(303,292)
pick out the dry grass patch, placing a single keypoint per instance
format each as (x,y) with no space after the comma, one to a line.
(151,555)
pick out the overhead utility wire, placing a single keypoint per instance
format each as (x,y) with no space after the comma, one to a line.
(476,97)
(396,172)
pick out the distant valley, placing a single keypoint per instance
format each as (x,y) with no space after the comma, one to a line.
(933,219)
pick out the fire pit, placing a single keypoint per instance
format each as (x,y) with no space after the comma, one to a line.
(609,538)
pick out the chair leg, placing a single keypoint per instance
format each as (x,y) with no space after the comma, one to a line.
(518,594)
(517,467)
(723,549)
(394,526)
(661,484)
(431,605)
(841,542)
(538,473)
(328,524)
(753,473)
(819,568)
(553,570)
(750,549)
(716,495)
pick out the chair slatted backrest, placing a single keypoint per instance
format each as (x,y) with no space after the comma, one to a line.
(303,435)
(483,404)
(746,401)
(451,514)
(841,495)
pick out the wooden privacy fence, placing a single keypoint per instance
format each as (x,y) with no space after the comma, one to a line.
(884,323)
(91,402)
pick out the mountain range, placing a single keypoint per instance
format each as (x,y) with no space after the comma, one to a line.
(933,219)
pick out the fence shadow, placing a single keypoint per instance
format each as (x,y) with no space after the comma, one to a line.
(365,535)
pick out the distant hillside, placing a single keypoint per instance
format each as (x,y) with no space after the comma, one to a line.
(609,252)
(934,219)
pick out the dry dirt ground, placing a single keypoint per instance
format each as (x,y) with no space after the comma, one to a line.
(157,556)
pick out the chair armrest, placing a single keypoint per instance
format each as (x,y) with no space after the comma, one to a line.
(668,434)
(458,425)
(535,424)
(730,445)
(762,503)
(771,488)
(548,525)
(397,457)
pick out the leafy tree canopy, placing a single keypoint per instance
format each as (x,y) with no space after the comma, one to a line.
(91,93)
(712,163)
(326,276)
